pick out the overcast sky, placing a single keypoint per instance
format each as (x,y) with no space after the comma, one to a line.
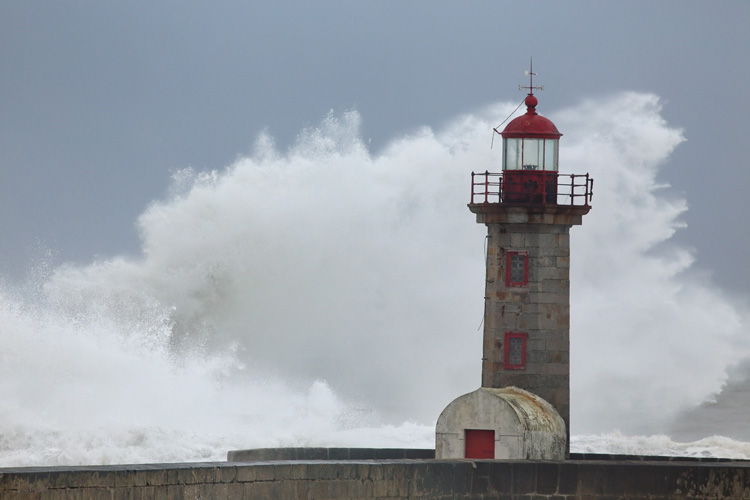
(101,101)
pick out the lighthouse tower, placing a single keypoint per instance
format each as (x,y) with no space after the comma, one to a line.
(528,209)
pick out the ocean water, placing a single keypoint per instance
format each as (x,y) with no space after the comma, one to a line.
(329,295)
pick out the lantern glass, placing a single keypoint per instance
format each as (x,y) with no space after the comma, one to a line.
(512,154)
(533,154)
(530,154)
(550,154)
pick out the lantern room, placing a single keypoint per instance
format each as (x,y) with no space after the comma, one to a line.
(530,153)
(531,141)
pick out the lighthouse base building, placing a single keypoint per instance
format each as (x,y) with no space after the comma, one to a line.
(507,423)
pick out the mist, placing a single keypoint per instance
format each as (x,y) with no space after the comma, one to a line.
(332,295)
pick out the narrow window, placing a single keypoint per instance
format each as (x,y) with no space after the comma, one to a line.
(517,269)
(515,351)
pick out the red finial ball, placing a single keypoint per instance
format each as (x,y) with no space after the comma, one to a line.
(531,101)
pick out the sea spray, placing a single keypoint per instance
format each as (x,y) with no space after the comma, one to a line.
(649,336)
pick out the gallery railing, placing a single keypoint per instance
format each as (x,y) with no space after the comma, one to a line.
(531,187)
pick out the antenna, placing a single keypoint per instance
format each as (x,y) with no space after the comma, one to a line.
(530,73)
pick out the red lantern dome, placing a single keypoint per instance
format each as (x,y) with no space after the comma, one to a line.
(531,124)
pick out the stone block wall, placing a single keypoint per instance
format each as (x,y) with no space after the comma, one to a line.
(396,479)
(275,454)
(541,310)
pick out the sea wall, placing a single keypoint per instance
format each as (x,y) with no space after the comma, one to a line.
(384,479)
(276,454)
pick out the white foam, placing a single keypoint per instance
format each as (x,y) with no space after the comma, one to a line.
(660,445)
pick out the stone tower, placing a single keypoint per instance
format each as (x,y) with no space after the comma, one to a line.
(529,209)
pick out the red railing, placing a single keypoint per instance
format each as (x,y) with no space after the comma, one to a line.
(520,187)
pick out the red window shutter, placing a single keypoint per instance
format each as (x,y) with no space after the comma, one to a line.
(514,351)
(517,268)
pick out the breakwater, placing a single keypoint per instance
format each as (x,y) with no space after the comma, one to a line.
(586,477)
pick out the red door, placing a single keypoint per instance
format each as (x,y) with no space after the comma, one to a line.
(480,443)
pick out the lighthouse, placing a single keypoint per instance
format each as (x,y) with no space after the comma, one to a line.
(528,208)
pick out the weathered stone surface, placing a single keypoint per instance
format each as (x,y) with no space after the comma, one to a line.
(497,213)
(524,425)
(593,477)
(276,454)
(541,308)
